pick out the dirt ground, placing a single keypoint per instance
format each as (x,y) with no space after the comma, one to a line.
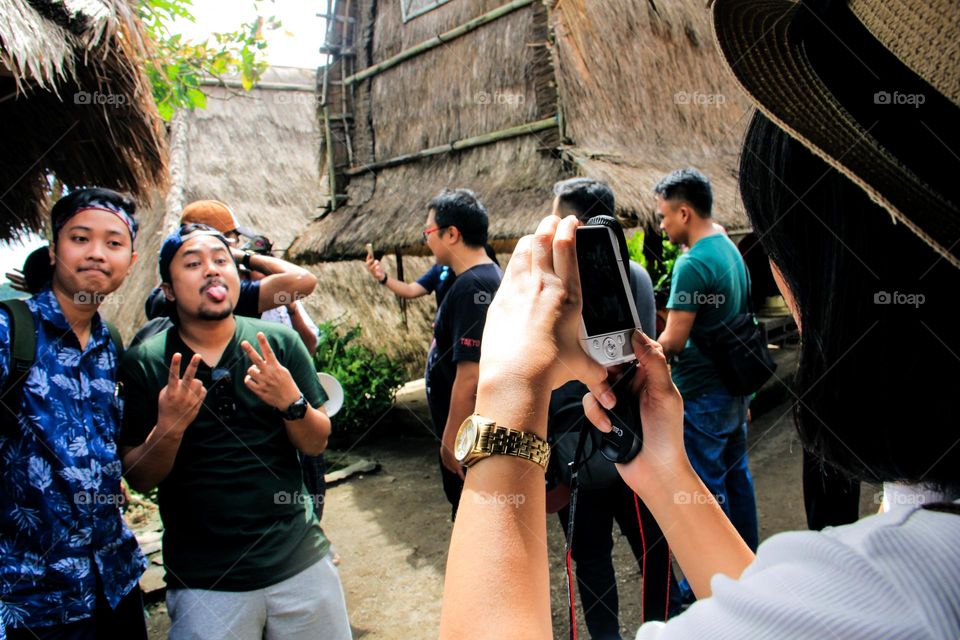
(391,529)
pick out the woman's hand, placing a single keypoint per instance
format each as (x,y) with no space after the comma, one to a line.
(531,335)
(661,413)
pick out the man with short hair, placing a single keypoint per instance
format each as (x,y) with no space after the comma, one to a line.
(709,287)
(456,233)
(219,435)
(69,566)
(603,495)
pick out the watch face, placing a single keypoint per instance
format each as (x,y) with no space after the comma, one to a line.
(465,439)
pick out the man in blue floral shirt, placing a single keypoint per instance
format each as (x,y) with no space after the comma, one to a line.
(69,567)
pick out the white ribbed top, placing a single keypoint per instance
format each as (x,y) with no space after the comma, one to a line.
(892,575)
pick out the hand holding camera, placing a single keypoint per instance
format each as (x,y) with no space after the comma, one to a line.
(530,337)
(661,410)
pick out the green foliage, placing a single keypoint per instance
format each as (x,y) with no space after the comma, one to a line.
(179,65)
(370,379)
(659,270)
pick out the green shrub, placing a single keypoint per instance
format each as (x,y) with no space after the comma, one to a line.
(660,270)
(370,379)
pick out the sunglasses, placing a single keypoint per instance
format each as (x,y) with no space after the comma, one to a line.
(427,232)
(221,391)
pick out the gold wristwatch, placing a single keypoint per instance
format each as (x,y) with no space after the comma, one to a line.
(480,438)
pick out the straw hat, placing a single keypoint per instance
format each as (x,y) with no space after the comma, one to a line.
(867,85)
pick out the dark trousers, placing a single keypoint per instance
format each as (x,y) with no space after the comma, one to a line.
(126,621)
(592,553)
(830,498)
(314,468)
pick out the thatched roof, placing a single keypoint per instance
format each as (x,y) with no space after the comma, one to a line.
(74,104)
(255,150)
(641,92)
(496,77)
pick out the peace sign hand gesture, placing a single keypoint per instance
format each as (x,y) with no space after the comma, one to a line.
(267,378)
(180,400)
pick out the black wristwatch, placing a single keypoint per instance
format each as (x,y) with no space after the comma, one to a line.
(296,410)
(246,259)
(386,277)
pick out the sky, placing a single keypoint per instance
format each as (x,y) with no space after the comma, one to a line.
(295,44)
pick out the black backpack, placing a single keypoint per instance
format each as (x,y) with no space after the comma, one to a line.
(23,353)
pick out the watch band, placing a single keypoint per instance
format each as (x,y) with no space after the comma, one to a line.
(386,277)
(246,259)
(497,440)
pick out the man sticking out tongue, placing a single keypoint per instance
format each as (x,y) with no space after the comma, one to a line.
(218,409)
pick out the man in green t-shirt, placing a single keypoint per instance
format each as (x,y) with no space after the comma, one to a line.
(216,423)
(708,288)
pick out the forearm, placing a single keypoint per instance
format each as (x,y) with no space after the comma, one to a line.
(498,547)
(147,465)
(309,434)
(404,289)
(671,344)
(305,331)
(701,536)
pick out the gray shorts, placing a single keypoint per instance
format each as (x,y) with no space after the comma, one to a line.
(307,606)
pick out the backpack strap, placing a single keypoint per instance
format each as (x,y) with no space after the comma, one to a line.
(23,352)
(115,338)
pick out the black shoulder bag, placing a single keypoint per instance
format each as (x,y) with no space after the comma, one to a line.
(738,349)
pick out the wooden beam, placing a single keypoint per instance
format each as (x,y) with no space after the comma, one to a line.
(457,145)
(436,41)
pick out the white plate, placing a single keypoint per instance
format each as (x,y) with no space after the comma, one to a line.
(334,393)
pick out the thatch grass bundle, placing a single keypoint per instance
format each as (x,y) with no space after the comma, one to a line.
(75,106)
(639,87)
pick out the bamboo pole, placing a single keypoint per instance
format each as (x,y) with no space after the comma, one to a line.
(331,158)
(436,41)
(457,145)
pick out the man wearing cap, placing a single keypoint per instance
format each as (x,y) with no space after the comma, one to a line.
(69,566)
(282,283)
(218,429)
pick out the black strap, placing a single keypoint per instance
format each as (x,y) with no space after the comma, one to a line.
(23,352)
(115,338)
(574,470)
(23,348)
(23,345)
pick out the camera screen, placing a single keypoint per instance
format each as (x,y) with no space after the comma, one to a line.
(605,305)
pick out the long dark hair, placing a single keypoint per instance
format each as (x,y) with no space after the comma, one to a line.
(879,375)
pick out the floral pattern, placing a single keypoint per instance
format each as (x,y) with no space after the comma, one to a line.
(60,521)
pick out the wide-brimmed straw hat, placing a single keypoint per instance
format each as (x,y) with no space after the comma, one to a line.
(869,86)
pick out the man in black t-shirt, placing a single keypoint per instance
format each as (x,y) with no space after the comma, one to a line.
(456,233)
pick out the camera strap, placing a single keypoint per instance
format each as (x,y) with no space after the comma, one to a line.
(574,485)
